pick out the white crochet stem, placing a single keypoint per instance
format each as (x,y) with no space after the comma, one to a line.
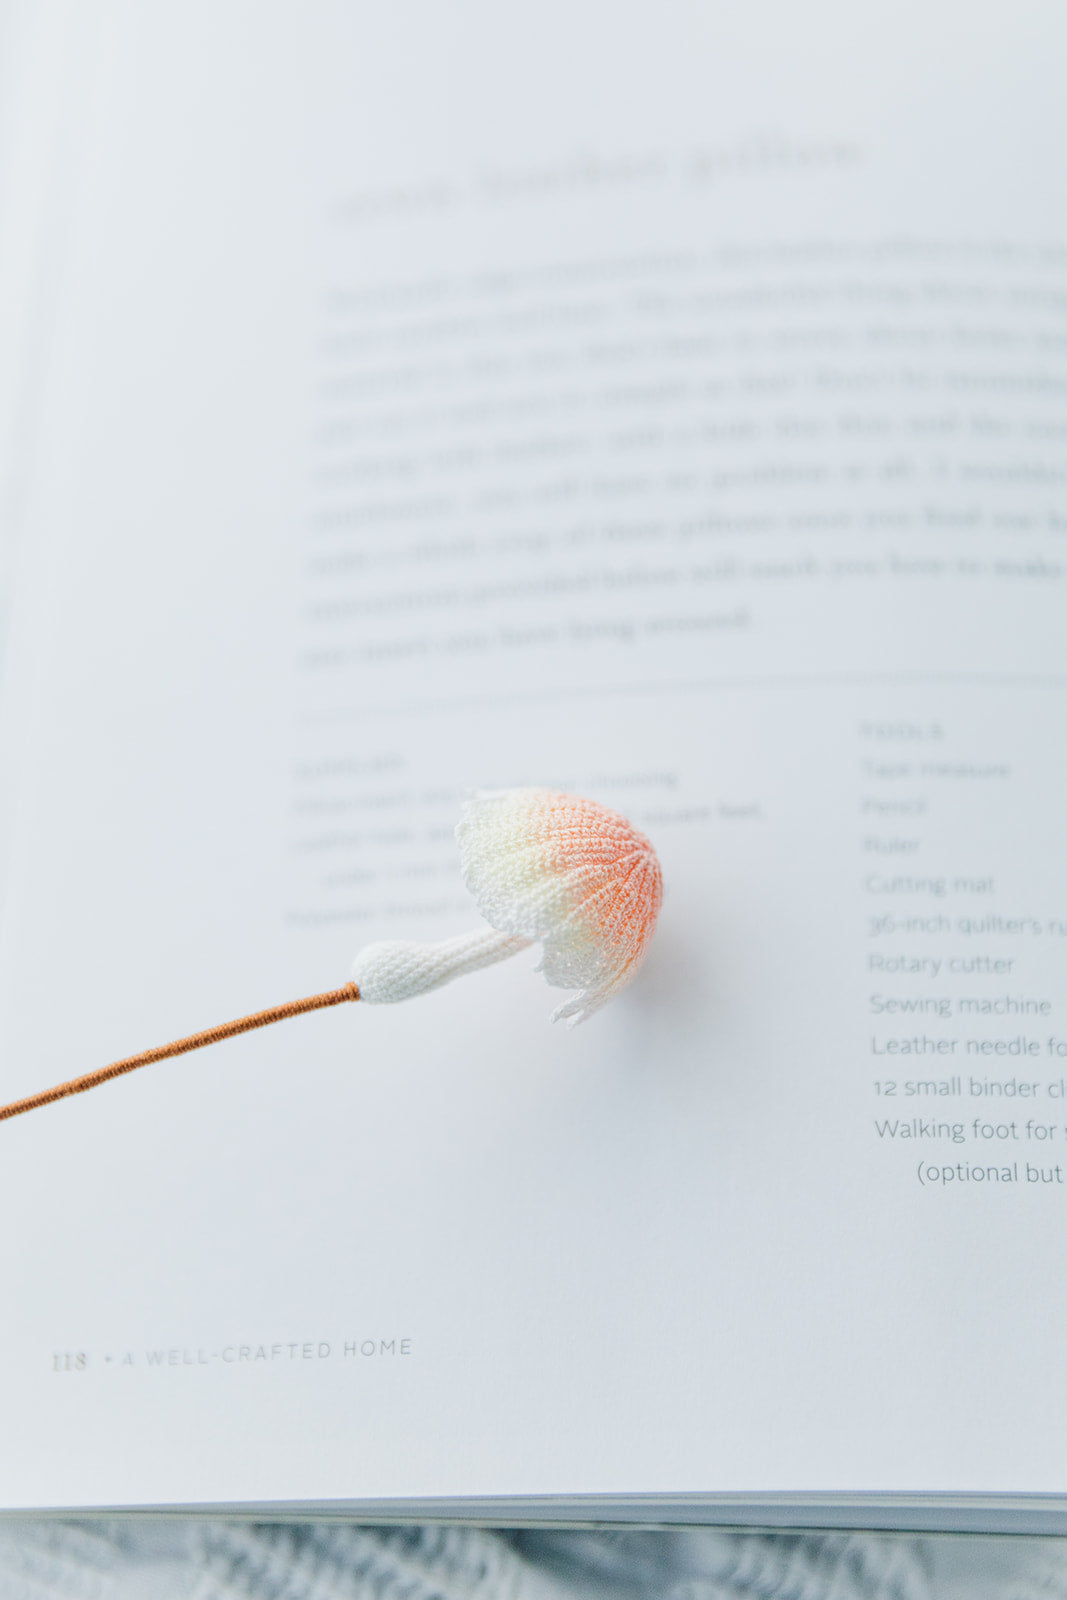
(396,969)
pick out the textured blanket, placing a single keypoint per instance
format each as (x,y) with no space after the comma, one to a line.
(153,1559)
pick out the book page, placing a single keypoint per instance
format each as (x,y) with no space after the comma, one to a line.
(663,408)
(42,51)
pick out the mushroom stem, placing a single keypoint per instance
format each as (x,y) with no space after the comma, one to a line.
(396,969)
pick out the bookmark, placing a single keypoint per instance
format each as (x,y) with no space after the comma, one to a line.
(542,867)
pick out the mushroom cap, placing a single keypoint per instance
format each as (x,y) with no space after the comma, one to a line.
(570,873)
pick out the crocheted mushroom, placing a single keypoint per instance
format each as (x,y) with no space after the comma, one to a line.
(545,867)
(541,866)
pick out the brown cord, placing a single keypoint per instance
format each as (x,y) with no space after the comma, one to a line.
(258,1019)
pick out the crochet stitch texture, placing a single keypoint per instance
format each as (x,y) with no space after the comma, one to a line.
(541,866)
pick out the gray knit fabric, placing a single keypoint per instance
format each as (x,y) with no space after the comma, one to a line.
(152,1559)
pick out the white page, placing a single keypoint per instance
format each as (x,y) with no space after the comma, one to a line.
(42,48)
(668,408)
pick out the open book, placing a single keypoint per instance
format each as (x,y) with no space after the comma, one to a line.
(665,403)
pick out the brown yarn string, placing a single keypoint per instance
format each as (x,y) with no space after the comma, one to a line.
(258,1019)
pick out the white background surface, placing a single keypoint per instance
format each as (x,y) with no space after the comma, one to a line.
(666,1253)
